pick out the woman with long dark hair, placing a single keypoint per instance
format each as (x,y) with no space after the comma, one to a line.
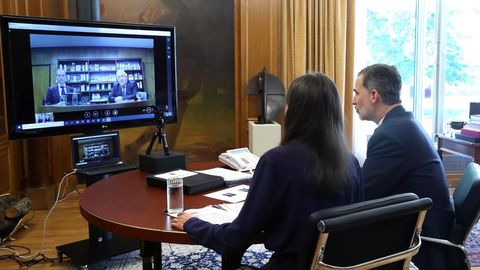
(312,169)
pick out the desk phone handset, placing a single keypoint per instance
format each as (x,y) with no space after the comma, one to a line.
(239,159)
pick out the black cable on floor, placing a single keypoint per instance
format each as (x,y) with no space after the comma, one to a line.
(25,259)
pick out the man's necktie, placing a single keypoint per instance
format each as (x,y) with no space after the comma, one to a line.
(124,91)
(63,90)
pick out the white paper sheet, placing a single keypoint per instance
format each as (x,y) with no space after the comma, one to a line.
(217,214)
(177,173)
(233,195)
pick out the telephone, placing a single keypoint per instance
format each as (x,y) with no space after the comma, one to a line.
(239,159)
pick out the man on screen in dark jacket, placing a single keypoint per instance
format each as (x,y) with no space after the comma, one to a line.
(123,89)
(57,91)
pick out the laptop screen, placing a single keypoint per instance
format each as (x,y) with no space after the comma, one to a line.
(94,150)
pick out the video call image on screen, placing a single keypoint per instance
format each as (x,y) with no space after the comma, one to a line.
(68,76)
(95,151)
(111,74)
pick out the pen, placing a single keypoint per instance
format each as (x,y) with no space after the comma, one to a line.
(219,207)
(170,214)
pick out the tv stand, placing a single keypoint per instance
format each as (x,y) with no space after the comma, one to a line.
(86,251)
(101,244)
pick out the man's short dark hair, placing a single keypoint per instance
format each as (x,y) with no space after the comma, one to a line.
(385,79)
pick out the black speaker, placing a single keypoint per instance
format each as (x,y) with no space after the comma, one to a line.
(158,162)
(271,95)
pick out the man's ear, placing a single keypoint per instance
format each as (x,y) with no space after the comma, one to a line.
(375,97)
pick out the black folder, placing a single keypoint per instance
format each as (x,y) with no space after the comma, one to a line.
(194,184)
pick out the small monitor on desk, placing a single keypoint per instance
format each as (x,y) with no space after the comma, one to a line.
(98,154)
(474,108)
(96,149)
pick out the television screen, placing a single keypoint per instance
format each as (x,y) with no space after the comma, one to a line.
(68,76)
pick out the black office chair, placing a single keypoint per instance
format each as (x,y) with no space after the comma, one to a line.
(383,233)
(466,201)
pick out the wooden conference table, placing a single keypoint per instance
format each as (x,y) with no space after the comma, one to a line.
(125,205)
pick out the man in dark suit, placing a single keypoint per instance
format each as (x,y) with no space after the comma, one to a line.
(123,89)
(55,92)
(401,157)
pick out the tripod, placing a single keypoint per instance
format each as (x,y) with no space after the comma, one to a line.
(160,134)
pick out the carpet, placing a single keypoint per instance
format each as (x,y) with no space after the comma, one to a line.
(473,246)
(175,256)
(195,257)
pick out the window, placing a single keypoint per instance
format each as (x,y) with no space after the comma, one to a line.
(432,43)
(459,78)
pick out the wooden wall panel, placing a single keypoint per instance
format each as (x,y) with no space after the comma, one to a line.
(3,119)
(5,176)
(38,8)
(258,39)
(11,170)
(42,160)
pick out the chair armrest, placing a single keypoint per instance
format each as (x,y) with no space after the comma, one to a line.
(443,242)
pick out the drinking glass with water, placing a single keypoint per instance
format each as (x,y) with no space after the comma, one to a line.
(174,195)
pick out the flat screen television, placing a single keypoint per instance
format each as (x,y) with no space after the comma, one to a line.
(61,75)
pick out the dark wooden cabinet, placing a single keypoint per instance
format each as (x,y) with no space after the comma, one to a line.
(458,147)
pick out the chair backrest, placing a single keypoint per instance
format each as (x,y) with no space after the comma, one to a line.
(466,200)
(367,235)
(310,232)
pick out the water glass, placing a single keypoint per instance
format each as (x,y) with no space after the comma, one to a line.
(448,130)
(75,98)
(174,195)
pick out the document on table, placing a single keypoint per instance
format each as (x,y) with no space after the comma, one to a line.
(177,173)
(217,214)
(229,176)
(233,195)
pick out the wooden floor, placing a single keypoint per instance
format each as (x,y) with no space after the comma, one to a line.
(65,225)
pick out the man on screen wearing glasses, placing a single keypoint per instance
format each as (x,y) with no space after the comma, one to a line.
(123,89)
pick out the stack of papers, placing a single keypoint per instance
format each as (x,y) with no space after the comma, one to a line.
(225,212)
(217,214)
(229,176)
